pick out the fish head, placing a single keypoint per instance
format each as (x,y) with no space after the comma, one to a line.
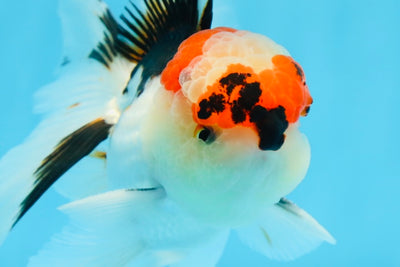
(222,134)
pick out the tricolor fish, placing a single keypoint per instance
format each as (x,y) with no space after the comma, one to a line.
(167,135)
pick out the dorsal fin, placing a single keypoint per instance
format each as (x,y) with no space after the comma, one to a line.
(105,50)
(151,38)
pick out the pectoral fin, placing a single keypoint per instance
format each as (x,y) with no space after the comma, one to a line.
(285,232)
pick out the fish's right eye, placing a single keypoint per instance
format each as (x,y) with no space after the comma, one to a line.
(206,134)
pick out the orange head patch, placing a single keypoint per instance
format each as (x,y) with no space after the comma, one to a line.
(187,51)
(263,91)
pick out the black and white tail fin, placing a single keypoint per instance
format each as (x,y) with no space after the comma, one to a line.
(285,232)
(78,111)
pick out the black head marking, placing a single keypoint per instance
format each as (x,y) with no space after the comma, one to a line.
(232,80)
(299,71)
(249,95)
(270,124)
(214,104)
(238,113)
(305,111)
(244,105)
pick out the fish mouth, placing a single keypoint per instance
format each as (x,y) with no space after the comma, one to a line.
(270,125)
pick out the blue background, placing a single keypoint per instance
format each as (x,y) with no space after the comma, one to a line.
(350,51)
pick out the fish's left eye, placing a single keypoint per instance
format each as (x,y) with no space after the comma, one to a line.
(206,134)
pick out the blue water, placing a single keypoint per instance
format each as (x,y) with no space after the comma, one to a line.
(350,51)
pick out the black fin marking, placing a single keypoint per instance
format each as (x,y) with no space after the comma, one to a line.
(65,61)
(106,49)
(289,206)
(142,189)
(206,17)
(151,39)
(68,152)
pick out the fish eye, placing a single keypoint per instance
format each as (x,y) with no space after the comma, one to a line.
(206,134)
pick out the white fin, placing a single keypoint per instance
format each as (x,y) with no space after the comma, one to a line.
(18,166)
(206,255)
(285,232)
(87,177)
(82,29)
(86,91)
(128,228)
(86,78)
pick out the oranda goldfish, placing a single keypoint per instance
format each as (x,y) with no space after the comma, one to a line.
(167,135)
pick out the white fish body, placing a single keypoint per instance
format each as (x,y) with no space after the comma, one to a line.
(152,192)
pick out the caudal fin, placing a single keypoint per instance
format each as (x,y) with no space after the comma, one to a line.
(78,111)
